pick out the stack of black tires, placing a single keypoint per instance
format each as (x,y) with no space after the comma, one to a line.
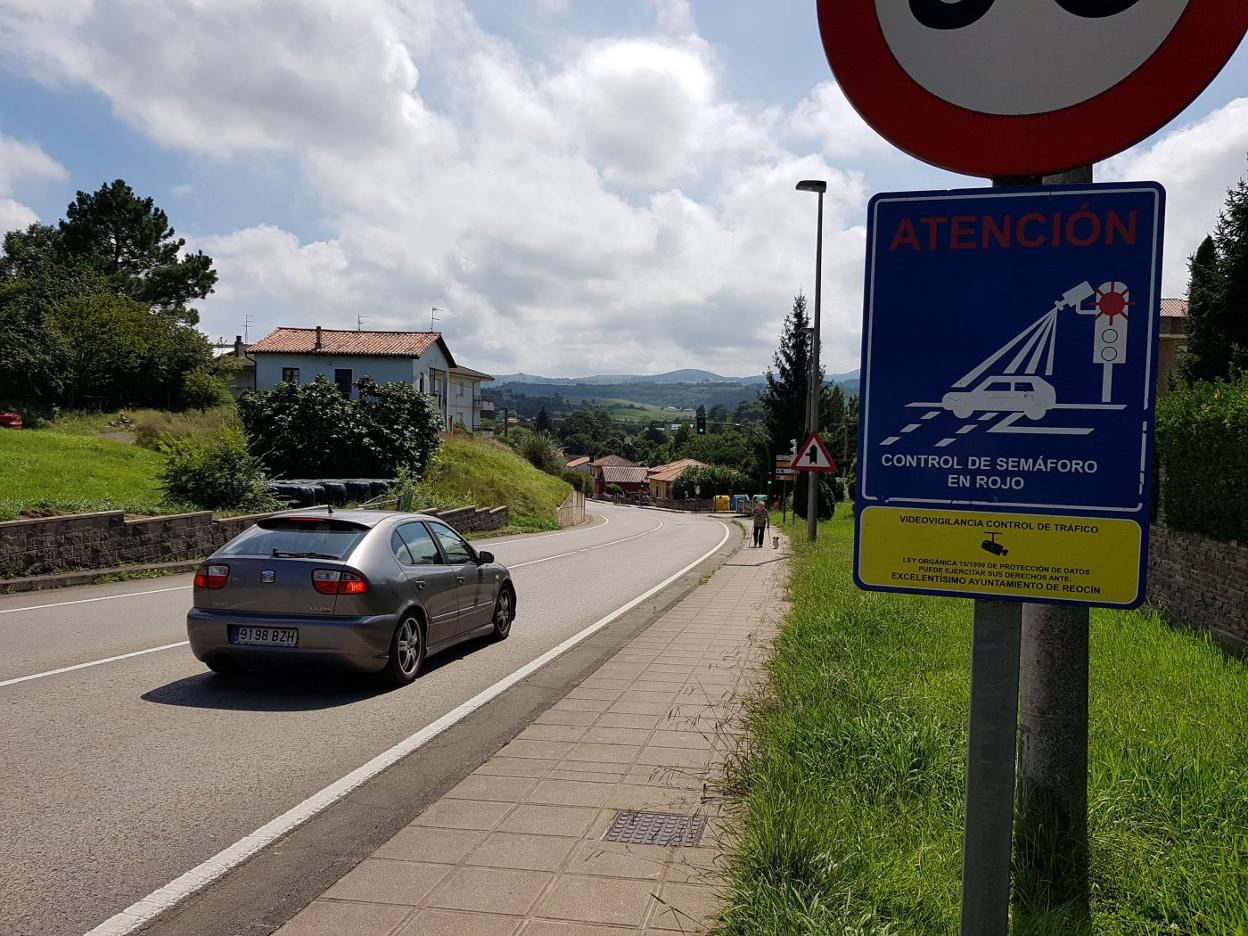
(339,491)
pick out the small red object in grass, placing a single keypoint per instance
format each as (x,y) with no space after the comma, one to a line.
(10,420)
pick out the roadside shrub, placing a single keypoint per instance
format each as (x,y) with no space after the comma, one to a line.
(312,430)
(540,451)
(579,480)
(201,390)
(712,480)
(214,475)
(614,490)
(1202,445)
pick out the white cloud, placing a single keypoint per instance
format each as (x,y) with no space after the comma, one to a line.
(606,209)
(20,162)
(827,116)
(1196,163)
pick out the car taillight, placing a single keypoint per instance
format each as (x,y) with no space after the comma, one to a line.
(213,576)
(335,582)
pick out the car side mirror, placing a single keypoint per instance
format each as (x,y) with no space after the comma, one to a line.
(484,557)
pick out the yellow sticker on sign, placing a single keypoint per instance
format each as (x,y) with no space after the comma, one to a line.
(998,555)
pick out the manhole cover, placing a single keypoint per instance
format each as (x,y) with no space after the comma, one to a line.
(656,828)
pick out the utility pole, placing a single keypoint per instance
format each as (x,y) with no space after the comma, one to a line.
(816,388)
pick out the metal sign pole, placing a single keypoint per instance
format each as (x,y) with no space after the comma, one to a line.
(990,768)
(1052,835)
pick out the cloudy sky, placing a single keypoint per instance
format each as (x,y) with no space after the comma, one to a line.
(583,185)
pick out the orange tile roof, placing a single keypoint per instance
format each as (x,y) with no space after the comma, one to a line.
(673,470)
(624,474)
(616,460)
(286,340)
(577,462)
(1174,308)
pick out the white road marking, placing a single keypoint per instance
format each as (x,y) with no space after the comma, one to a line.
(78,666)
(538,537)
(61,604)
(521,565)
(143,911)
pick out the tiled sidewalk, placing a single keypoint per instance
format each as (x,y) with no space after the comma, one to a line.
(517,847)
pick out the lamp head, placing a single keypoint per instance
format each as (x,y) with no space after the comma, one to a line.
(812,185)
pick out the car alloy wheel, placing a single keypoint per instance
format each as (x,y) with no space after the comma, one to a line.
(502,615)
(407,652)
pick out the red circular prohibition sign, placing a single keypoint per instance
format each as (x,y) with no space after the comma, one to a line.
(993,145)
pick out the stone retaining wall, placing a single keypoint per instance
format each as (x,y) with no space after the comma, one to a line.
(106,540)
(1200,582)
(572,511)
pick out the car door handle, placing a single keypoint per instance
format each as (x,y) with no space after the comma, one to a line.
(460,579)
(419,583)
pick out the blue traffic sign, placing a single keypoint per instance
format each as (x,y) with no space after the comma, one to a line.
(1008,381)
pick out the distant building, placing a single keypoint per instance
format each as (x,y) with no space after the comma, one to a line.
(420,359)
(662,479)
(578,463)
(1173,340)
(240,376)
(598,467)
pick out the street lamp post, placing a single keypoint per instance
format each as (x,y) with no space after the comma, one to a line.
(812,413)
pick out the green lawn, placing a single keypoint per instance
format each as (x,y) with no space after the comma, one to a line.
(852,789)
(46,470)
(489,474)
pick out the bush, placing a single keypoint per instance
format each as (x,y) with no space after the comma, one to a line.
(579,480)
(614,490)
(312,430)
(1202,445)
(215,475)
(540,451)
(201,390)
(711,480)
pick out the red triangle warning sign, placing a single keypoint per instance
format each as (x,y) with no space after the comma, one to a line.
(812,456)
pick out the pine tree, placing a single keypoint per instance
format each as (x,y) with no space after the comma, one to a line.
(1231,236)
(1207,356)
(784,400)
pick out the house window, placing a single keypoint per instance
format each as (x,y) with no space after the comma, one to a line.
(290,374)
(459,390)
(422,383)
(342,377)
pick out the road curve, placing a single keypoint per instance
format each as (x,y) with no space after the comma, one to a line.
(122,775)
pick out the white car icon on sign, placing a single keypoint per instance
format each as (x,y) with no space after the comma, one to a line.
(1031,396)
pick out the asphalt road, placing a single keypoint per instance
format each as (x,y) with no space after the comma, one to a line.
(118,777)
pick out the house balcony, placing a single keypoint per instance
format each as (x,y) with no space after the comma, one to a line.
(482,404)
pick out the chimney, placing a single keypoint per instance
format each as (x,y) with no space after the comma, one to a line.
(238,345)
(317,346)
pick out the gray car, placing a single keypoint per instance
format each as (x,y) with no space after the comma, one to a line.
(369,590)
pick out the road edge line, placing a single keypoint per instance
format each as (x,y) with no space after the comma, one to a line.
(164,898)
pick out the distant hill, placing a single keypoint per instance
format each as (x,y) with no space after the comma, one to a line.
(685,376)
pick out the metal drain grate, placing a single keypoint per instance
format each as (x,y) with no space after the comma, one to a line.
(656,828)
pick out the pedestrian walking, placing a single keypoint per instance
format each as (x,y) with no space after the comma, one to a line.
(761,521)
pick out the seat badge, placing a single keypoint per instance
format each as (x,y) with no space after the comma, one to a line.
(268,576)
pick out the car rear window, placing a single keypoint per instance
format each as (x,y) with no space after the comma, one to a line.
(315,537)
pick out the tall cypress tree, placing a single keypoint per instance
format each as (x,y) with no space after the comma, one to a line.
(1208,355)
(1231,236)
(784,400)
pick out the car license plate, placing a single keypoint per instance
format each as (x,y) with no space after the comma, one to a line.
(265,636)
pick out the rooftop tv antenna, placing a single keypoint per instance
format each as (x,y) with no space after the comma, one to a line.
(246,328)
(432,317)
(359,322)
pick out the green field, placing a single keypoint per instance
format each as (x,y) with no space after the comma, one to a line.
(641,414)
(489,474)
(50,471)
(852,787)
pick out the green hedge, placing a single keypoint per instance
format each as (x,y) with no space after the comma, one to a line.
(1202,445)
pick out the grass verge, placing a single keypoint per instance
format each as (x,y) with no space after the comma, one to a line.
(49,471)
(852,787)
(489,474)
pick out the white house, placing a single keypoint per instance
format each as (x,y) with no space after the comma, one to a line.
(421,359)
